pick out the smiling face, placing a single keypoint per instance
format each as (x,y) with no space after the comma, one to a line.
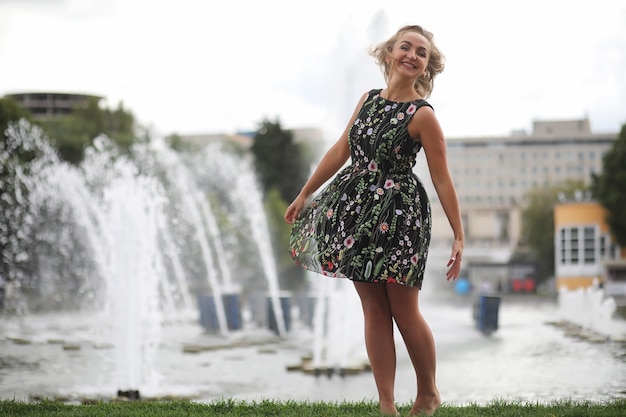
(409,55)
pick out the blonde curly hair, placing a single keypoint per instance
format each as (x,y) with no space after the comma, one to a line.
(423,85)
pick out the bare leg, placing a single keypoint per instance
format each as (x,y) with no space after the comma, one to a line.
(379,341)
(420,344)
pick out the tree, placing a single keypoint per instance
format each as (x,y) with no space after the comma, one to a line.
(278,160)
(291,276)
(282,170)
(609,187)
(73,132)
(538,225)
(10,112)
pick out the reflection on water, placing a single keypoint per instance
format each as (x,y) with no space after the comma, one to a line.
(526,359)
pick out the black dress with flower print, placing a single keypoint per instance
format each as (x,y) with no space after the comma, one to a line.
(372,221)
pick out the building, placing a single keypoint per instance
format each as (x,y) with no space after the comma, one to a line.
(493,175)
(45,105)
(312,136)
(584,248)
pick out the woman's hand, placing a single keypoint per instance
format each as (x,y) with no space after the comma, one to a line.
(455,260)
(294,209)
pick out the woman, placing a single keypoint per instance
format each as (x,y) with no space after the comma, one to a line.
(372,222)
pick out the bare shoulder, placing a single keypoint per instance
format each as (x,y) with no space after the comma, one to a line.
(424,125)
(363,98)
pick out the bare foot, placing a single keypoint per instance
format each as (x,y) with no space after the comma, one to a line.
(426,404)
(388,409)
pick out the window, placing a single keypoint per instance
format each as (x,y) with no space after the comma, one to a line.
(607,249)
(589,245)
(564,245)
(603,246)
(574,245)
(578,245)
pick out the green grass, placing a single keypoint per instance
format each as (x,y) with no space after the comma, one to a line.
(268,408)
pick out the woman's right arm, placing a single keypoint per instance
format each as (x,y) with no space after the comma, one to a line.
(332,161)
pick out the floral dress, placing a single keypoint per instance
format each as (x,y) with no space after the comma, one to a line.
(372,221)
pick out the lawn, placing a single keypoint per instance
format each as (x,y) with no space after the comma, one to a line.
(178,408)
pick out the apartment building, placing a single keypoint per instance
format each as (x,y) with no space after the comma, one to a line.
(493,175)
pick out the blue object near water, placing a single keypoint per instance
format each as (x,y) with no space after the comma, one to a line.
(486,311)
(285,305)
(208,312)
(462,286)
(232,306)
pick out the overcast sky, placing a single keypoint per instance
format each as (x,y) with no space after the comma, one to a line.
(196,66)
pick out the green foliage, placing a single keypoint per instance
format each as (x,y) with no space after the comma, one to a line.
(282,170)
(232,408)
(291,276)
(538,225)
(10,112)
(609,188)
(176,142)
(72,133)
(278,160)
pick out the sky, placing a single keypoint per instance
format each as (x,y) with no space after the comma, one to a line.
(196,66)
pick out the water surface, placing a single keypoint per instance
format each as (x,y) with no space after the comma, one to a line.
(527,359)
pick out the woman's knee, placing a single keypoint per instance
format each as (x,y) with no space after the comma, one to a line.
(374,298)
(404,306)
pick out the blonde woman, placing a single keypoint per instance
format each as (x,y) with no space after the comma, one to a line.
(372,222)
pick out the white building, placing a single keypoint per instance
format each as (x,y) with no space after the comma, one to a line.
(493,175)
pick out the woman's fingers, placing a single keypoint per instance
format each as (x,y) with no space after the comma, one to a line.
(291,214)
(454,264)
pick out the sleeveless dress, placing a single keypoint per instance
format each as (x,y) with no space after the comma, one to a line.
(372,222)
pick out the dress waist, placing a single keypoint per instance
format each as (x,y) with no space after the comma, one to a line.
(360,171)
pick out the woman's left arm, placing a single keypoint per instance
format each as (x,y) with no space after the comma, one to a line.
(424,127)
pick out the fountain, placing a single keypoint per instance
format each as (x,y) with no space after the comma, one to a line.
(247,205)
(129,238)
(338,345)
(592,310)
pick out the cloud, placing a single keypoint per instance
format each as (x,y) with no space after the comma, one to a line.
(193,65)
(32,2)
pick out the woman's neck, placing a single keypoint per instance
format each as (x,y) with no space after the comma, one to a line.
(400,94)
(400,90)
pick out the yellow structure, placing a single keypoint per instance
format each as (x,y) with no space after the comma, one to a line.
(583,244)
